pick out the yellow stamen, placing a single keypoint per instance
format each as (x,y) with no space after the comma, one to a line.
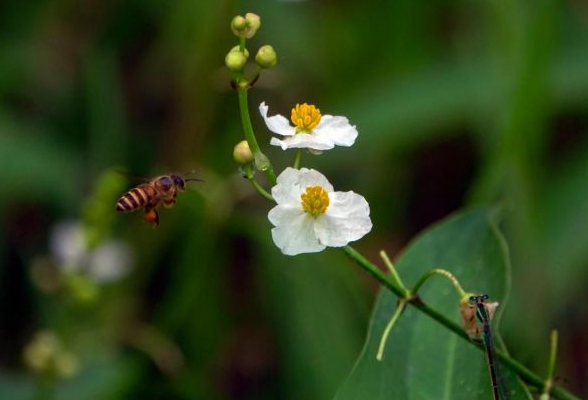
(315,200)
(306,117)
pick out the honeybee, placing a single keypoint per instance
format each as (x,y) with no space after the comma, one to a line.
(150,195)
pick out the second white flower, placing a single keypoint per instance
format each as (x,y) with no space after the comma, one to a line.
(311,129)
(310,215)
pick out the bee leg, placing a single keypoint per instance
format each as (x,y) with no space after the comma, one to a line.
(151,216)
(169,203)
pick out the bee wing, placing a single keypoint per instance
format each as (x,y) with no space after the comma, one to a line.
(129,175)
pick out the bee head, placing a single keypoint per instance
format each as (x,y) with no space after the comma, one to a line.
(179,182)
(165,183)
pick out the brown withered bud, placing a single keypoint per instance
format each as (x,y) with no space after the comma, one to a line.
(469,320)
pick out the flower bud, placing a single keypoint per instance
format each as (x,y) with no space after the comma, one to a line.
(235,60)
(238,25)
(238,49)
(246,27)
(242,153)
(83,290)
(253,22)
(66,364)
(266,57)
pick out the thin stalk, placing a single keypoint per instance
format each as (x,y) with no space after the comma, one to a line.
(442,272)
(44,388)
(393,272)
(523,372)
(548,385)
(255,184)
(297,159)
(384,338)
(261,161)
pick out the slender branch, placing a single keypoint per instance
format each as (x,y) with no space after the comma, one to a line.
(261,161)
(525,373)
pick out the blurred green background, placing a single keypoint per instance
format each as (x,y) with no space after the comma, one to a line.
(458,103)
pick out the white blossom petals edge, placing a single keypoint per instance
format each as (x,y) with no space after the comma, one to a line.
(311,130)
(310,215)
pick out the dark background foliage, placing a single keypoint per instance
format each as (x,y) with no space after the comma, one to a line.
(458,103)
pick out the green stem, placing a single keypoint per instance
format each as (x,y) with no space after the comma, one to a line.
(393,272)
(551,366)
(255,184)
(297,159)
(442,272)
(261,161)
(384,338)
(526,374)
(44,388)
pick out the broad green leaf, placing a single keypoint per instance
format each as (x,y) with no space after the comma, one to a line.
(423,360)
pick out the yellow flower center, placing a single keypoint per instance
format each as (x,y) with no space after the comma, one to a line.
(315,200)
(306,117)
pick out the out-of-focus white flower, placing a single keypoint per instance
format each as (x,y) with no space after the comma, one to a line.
(311,130)
(68,245)
(310,215)
(109,261)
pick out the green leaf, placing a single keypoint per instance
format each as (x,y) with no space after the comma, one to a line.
(423,360)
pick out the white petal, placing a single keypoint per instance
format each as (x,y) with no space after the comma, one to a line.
(347,219)
(337,129)
(304,141)
(109,262)
(294,231)
(287,190)
(291,183)
(311,177)
(68,245)
(277,124)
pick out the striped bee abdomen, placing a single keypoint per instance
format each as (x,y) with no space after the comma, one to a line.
(135,198)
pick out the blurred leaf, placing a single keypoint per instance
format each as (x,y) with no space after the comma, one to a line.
(100,379)
(34,164)
(565,212)
(422,359)
(389,112)
(313,300)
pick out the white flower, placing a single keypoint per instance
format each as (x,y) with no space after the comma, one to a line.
(311,130)
(310,215)
(110,261)
(67,243)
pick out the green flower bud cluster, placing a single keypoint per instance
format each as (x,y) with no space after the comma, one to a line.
(45,355)
(245,27)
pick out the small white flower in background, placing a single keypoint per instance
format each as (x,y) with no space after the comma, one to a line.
(311,130)
(67,243)
(310,215)
(110,261)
